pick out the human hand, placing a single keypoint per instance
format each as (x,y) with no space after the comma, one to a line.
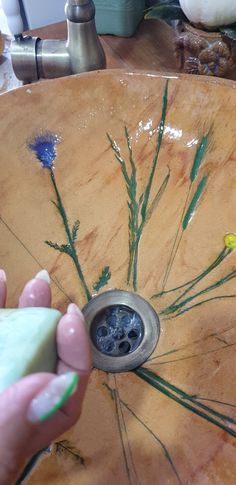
(29,419)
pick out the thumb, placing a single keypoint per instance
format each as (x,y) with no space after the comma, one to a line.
(25,410)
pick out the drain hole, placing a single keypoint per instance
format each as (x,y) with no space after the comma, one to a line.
(133,334)
(124,347)
(117,330)
(102,332)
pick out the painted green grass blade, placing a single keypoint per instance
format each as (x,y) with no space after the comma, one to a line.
(224,253)
(119,158)
(153,380)
(103,279)
(131,160)
(154,162)
(194,202)
(222,403)
(75,230)
(186,310)
(200,153)
(31,465)
(217,262)
(188,397)
(175,308)
(158,197)
(71,243)
(166,452)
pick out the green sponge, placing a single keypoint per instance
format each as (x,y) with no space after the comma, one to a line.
(27,343)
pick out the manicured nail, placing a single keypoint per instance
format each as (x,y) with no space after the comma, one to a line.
(53,397)
(43,275)
(3,276)
(73,309)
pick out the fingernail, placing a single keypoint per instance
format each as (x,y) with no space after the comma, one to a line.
(53,397)
(43,275)
(73,309)
(3,277)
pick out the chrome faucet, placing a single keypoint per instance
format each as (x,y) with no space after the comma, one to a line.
(33,58)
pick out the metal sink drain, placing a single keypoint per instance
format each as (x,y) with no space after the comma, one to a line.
(124,330)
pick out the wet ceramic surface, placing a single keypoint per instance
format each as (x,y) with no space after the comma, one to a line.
(173,421)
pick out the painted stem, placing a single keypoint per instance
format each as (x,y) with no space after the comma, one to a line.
(147,192)
(69,237)
(174,248)
(217,262)
(222,403)
(181,398)
(188,309)
(198,278)
(166,452)
(140,212)
(31,465)
(187,214)
(176,307)
(194,202)
(135,262)
(134,210)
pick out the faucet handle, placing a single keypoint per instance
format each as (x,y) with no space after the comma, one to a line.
(12,11)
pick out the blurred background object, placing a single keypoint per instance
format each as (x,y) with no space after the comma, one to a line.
(3,21)
(203,43)
(8,79)
(117,17)
(44,12)
(1,43)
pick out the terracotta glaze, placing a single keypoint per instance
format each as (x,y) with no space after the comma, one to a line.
(130,179)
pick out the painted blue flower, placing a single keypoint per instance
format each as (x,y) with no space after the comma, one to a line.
(44,146)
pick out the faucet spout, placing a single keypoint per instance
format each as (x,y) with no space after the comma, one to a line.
(34,58)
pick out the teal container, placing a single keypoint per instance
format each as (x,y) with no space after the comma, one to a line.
(118,17)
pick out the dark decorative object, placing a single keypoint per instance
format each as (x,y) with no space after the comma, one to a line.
(202,52)
(200,49)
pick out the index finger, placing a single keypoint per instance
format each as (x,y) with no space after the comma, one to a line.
(73,345)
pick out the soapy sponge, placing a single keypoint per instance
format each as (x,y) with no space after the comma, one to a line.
(27,343)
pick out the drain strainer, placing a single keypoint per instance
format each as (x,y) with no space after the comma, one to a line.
(124,330)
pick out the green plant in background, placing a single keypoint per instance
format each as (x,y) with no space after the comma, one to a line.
(140,208)
(168,10)
(216,17)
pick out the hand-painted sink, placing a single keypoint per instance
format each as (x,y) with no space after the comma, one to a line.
(144,183)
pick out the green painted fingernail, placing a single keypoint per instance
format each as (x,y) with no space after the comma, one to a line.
(52,397)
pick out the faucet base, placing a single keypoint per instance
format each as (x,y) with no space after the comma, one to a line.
(24,55)
(53,59)
(33,58)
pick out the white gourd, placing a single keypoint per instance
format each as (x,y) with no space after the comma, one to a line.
(210,13)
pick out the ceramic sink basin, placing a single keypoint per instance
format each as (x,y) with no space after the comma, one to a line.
(156,203)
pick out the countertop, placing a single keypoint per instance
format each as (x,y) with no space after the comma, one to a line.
(151,48)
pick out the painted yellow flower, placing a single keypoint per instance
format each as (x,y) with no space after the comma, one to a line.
(230,241)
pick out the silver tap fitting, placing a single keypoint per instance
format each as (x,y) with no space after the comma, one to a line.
(33,58)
